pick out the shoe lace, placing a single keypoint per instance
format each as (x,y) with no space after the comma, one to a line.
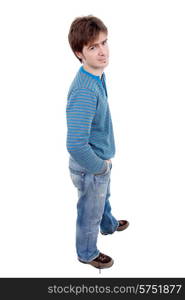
(102,257)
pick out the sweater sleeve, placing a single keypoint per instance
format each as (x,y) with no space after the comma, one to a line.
(80,111)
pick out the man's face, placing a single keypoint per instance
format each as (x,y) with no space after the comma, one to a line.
(95,56)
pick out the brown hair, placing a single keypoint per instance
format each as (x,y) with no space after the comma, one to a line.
(84,30)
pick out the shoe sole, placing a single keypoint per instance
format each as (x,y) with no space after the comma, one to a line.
(98,265)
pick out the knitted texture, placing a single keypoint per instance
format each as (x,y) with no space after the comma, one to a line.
(90,137)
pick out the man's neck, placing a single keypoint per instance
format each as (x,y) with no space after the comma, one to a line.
(96,72)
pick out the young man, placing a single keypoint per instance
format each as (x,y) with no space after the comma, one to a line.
(90,140)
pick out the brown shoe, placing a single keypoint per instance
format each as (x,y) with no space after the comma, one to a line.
(101,262)
(123,224)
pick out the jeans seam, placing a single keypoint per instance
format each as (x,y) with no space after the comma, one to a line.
(88,231)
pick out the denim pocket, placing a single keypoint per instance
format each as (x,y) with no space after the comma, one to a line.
(103,178)
(77,178)
(107,171)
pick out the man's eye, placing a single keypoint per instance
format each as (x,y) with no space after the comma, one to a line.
(92,48)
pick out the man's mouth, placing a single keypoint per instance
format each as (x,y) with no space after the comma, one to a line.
(101,60)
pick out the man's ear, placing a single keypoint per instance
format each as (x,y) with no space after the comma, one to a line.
(79,54)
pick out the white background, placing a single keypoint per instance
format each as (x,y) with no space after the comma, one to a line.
(146,86)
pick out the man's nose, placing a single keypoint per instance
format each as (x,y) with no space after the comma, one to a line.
(101,50)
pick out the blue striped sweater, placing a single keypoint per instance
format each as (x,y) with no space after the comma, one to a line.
(90,137)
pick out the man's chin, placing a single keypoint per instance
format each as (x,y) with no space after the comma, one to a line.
(103,64)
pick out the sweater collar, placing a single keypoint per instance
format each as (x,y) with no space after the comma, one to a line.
(101,80)
(92,75)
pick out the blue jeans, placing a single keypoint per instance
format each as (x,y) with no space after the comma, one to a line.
(93,209)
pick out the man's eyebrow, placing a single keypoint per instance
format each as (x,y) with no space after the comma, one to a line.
(91,45)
